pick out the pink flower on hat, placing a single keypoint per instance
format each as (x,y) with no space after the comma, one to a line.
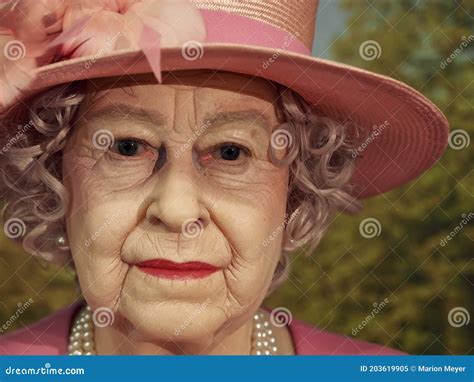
(38,32)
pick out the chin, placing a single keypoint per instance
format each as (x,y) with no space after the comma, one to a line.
(172,320)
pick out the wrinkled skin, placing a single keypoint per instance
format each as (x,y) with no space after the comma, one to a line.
(127,209)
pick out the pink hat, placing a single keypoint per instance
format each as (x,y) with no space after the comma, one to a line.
(51,42)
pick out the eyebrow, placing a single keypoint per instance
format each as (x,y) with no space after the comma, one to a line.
(223,117)
(120,111)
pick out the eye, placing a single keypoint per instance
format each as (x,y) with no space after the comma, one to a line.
(128,147)
(225,158)
(230,152)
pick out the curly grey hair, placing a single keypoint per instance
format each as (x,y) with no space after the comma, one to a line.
(320,166)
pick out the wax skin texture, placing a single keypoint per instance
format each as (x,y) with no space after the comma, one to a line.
(128,209)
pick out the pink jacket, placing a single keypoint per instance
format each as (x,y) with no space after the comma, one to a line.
(50,335)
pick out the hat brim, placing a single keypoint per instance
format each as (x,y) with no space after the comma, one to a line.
(415,132)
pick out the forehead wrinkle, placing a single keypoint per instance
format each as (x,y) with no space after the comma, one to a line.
(184,120)
(120,111)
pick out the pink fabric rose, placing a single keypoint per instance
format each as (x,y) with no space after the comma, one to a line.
(38,32)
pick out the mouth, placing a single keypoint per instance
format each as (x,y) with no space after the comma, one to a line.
(171,270)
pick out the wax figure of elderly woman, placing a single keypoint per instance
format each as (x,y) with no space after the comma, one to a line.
(176,153)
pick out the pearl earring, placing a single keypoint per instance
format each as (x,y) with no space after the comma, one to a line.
(62,243)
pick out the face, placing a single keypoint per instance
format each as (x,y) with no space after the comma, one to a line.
(176,213)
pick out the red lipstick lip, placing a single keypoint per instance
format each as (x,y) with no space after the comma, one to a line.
(168,264)
(170,269)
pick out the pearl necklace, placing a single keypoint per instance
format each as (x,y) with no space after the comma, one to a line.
(81,339)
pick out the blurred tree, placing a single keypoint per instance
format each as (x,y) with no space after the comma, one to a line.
(423,280)
(24,277)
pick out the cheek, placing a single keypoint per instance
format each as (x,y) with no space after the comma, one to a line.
(98,222)
(252,220)
(104,198)
(256,210)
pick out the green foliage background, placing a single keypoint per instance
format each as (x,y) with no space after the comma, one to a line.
(336,287)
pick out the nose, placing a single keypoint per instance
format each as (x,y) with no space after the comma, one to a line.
(176,203)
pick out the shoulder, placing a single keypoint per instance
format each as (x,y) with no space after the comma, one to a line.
(310,340)
(46,337)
